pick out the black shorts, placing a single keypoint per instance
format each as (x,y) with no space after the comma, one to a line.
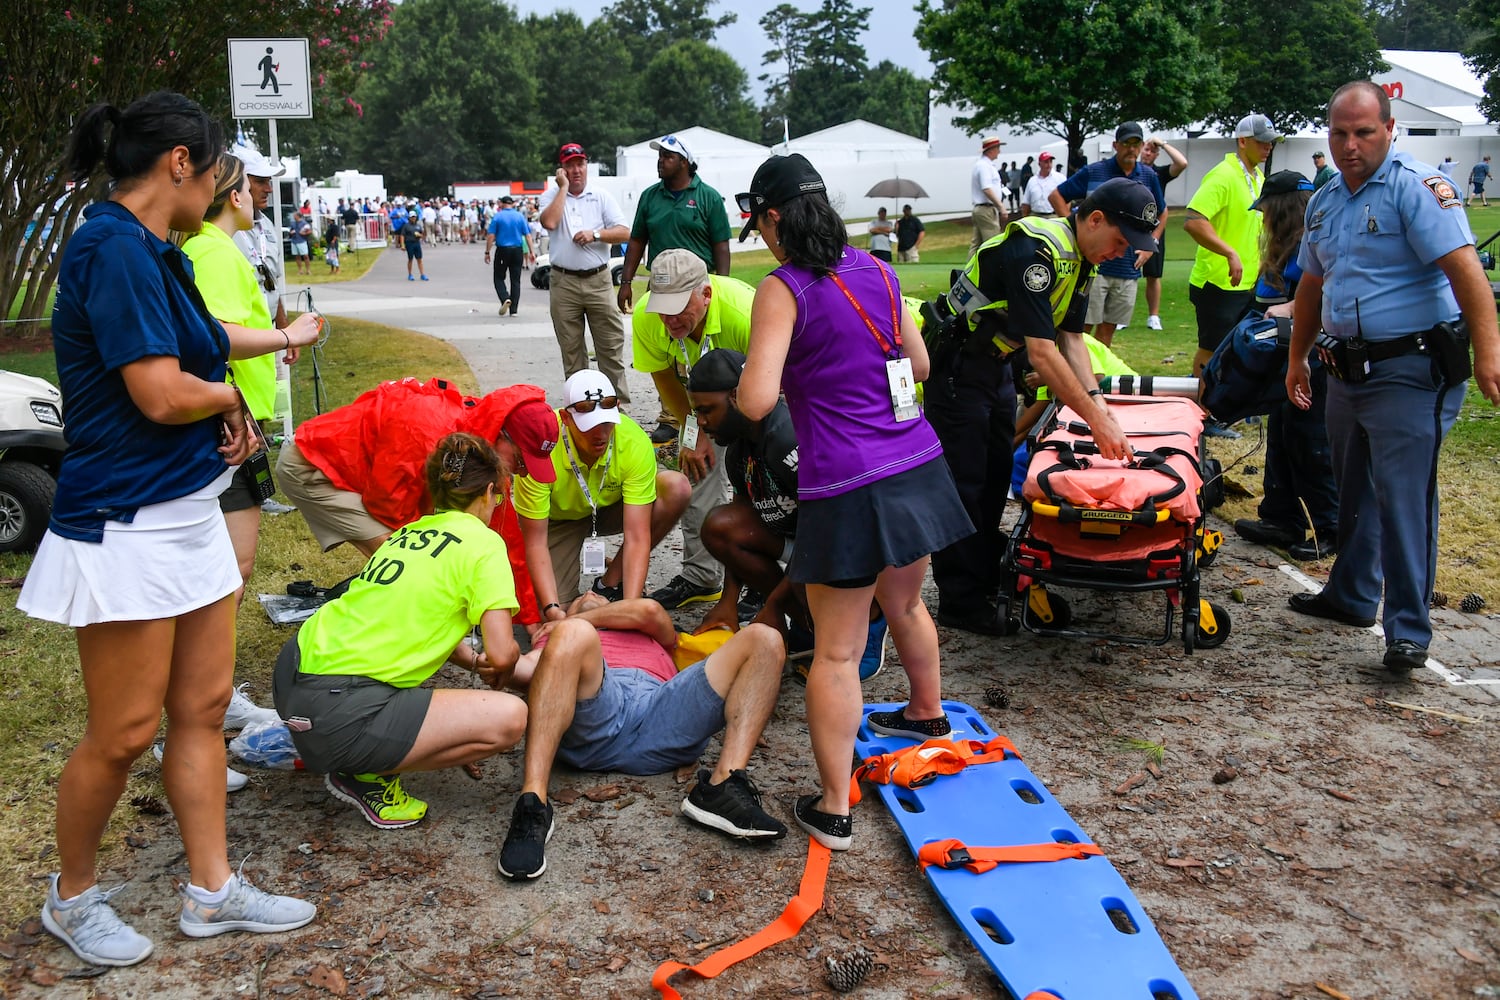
(846,540)
(241,492)
(1154,266)
(1218,311)
(414,249)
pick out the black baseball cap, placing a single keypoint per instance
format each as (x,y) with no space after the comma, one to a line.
(1130,130)
(506,199)
(1282,182)
(1130,206)
(717,371)
(776,182)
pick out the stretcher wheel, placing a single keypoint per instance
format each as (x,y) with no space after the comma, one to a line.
(1048,609)
(1212,628)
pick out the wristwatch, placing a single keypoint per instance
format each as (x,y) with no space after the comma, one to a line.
(597,237)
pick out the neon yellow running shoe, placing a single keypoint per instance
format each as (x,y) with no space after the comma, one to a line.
(378,797)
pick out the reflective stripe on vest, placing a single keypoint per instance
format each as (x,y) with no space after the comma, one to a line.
(1057,235)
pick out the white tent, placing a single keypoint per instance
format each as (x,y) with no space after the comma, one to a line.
(858,141)
(712,151)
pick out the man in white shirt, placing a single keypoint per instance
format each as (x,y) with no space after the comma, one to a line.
(987,193)
(880,237)
(1036,200)
(581,224)
(445,222)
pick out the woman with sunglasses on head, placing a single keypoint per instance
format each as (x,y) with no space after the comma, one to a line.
(136,558)
(349,683)
(875,497)
(606,483)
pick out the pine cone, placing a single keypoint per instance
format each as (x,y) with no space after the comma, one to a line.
(844,974)
(997,697)
(1471,603)
(1439,599)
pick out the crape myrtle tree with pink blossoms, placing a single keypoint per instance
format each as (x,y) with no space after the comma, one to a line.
(57,57)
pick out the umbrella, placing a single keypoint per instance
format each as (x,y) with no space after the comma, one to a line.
(896,187)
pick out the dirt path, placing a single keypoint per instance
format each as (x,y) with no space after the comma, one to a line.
(1353,844)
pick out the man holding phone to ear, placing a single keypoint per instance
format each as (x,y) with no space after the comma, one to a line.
(582,224)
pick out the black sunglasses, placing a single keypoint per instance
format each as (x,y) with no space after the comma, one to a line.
(588,405)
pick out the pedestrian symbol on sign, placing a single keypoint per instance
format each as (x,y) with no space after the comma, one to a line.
(268,70)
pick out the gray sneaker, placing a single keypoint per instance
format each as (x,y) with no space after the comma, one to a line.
(246,908)
(93,931)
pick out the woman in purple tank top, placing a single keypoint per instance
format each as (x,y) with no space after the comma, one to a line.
(875,497)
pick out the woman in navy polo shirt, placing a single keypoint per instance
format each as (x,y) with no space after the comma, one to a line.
(136,557)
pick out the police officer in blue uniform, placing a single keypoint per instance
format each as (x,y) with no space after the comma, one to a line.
(1391,275)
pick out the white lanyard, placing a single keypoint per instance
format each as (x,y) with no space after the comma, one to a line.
(1249,178)
(583,482)
(703,348)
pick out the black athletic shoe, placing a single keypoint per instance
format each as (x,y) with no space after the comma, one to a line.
(1404,656)
(664,434)
(1268,532)
(834,832)
(897,724)
(524,853)
(680,593)
(732,807)
(985,621)
(750,605)
(1319,606)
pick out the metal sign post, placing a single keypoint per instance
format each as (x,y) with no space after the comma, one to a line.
(271,78)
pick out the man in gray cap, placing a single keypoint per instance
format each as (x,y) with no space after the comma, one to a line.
(1222,283)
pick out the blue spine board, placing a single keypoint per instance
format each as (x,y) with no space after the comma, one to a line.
(1072,927)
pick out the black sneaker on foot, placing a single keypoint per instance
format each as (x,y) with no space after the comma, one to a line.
(1268,532)
(523,854)
(733,807)
(897,724)
(1318,606)
(834,832)
(664,434)
(680,593)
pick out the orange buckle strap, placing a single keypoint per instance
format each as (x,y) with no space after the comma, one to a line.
(954,853)
(924,763)
(809,900)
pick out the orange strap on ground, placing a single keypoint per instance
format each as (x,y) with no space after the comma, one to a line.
(953,853)
(923,763)
(809,900)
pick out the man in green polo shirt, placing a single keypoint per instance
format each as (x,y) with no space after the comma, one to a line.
(687,313)
(678,211)
(607,484)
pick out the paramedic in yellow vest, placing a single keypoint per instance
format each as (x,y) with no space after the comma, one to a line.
(1027,287)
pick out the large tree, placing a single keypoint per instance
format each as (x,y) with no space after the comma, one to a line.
(1319,47)
(821,77)
(1074,68)
(693,83)
(648,26)
(56,59)
(587,90)
(1483,52)
(1433,25)
(452,95)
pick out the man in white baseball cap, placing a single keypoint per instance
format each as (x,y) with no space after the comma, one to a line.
(607,484)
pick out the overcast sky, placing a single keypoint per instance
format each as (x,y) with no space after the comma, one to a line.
(892,25)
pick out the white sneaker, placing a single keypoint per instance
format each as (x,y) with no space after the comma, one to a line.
(233,780)
(1153,322)
(245,908)
(242,711)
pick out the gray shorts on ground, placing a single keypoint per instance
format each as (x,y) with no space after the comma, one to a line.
(357,725)
(637,724)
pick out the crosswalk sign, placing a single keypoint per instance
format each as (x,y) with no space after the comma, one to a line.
(269,78)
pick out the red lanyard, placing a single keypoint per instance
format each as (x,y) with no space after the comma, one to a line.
(885,345)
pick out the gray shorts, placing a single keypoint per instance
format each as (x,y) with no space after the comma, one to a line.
(638,724)
(1111,300)
(357,725)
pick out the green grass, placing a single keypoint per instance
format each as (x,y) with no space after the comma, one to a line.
(353,264)
(15,304)
(42,710)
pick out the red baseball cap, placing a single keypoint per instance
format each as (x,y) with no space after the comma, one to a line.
(533,428)
(1046,156)
(571,151)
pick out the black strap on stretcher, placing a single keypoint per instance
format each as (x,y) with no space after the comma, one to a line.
(1070,459)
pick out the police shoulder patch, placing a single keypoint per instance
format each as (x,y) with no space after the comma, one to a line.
(1442,189)
(1038,278)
